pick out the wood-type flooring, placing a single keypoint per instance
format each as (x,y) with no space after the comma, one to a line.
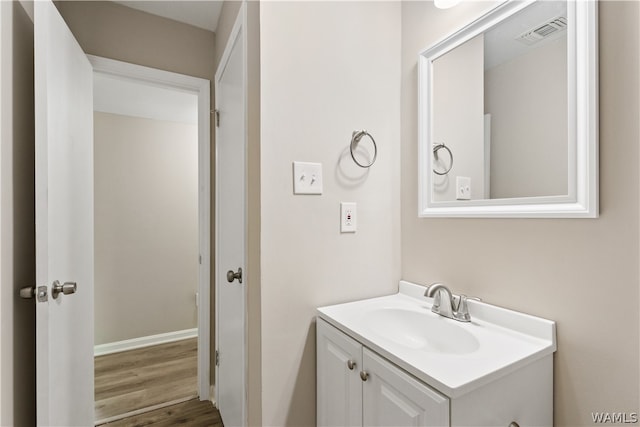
(192,413)
(137,384)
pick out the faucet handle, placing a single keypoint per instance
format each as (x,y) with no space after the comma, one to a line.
(462,313)
(466,298)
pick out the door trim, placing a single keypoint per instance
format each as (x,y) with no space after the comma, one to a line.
(201,88)
(239,27)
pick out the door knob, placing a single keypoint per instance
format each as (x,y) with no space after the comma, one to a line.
(364,375)
(231,275)
(66,289)
(351,364)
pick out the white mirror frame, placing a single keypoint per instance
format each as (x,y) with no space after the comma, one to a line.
(582,49)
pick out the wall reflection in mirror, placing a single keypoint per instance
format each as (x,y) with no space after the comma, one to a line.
(500,106)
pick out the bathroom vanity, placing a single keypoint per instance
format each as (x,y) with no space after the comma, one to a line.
(391,361)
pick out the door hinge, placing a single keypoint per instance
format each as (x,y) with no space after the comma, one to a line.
(217,358)
(200,259)
(217,115)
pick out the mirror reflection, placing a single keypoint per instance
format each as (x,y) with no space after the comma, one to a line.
(500,110)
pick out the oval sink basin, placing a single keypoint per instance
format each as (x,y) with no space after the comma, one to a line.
(424,331)
(454,357)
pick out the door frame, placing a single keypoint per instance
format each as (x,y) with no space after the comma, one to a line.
(201,88)
(239,27)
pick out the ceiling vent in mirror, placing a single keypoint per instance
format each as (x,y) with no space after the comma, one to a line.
(543,31)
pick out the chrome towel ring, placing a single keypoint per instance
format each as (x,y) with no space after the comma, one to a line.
(436,148)
(355,139)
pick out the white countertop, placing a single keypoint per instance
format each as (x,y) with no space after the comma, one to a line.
(496,342)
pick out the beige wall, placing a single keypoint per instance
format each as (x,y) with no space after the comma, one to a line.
(146,226)
(458,118)
(3,82)
(254,218)
(529,131)
(17,247)
(320,82)
(581,273)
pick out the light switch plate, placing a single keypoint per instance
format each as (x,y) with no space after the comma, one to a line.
(348,217)
(307,178)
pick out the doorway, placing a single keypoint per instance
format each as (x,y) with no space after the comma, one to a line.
(151,239)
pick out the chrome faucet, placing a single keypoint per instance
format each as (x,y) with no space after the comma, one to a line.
(448,304)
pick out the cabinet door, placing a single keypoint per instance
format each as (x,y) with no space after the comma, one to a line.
(339,387)
(391,397)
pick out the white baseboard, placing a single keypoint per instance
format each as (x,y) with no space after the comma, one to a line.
(118,346)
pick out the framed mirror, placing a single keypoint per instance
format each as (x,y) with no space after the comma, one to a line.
(508,114)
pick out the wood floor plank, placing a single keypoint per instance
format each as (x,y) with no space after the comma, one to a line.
(142,399)
(136,379)
(192,413)
(146,355)
(145,377)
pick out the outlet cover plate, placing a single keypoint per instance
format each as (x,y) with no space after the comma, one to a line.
(348,217)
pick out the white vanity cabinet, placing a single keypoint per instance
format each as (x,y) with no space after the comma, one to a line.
(391,361)
(357,387)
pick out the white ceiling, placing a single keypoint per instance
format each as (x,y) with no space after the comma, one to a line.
(202,14)
(126,97)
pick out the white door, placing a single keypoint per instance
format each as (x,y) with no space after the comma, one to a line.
(339,363)
(392,397)
(64,222)
(230,231)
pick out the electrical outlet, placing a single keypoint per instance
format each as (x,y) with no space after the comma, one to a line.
(307,178)
(348,217)
(463,188)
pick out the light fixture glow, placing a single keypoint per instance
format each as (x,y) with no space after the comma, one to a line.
(445,4)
